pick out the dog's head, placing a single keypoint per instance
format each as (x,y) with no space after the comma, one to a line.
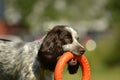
(57,41)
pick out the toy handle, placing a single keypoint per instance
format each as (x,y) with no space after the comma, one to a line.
(65,58)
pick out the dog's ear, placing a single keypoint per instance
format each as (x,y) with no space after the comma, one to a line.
(50,50)
(51,43)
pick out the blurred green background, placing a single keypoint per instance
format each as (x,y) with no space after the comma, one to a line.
(97,23)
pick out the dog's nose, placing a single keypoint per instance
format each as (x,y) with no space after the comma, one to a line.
(82,50)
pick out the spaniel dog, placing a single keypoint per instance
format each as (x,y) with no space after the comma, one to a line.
(36,60)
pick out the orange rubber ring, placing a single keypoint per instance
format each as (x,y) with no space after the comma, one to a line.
(65,58)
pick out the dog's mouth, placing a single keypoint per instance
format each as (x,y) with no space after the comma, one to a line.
(72,62)
(73,65)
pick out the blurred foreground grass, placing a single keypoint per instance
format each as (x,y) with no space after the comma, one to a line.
(101,74)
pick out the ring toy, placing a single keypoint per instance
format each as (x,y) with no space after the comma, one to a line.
(65,58)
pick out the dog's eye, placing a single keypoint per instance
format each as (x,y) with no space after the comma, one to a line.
(78,39)
(68,39)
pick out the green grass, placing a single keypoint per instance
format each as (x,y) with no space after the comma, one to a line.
(67,76)
(107,74)
(96,74)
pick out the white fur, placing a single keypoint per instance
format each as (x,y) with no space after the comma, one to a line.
(75,42)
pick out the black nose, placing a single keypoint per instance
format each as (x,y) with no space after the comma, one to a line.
(82,50)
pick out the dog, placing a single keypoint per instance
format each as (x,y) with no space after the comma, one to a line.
(37,60)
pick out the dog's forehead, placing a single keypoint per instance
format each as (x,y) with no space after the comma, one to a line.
(72,31)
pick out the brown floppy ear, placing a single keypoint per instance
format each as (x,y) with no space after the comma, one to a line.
(50,49)
(51,44)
